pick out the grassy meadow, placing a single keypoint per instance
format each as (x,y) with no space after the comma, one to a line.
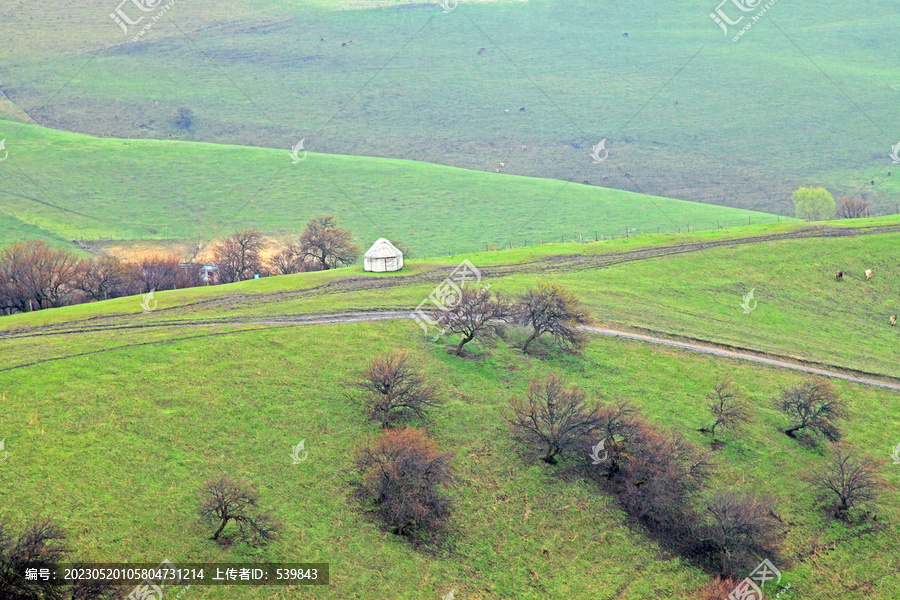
(807,97)
(115,445)
(175,193)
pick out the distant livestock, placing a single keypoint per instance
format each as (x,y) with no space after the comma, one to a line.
(506,111)
(893,319)
(839,276)
(868,273)
(502,164)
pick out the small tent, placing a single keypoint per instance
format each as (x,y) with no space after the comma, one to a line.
(383,256)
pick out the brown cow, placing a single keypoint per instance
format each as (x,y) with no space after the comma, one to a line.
(893,319)
(839,276)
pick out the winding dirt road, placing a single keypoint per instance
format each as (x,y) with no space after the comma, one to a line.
(372,316)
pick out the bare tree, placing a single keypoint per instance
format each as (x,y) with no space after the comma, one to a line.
(813,406)
(556,418)
(289,260)
(551,308)
(852,208)
(157,272)
(657,476)
(101,278)
(34,276)
(184,117)
(226,500)
(238,257)
(740,529)
(619,423)
(402,476)
(479,312)
(395,391)
(41,546)
(326,244)
(726,407)
(849,480)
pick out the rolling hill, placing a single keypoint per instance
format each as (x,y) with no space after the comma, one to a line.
(807,97)
(87,188)
(143,406)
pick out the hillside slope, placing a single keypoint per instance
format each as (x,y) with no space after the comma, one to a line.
(116,444)
(808,96)
(82,187)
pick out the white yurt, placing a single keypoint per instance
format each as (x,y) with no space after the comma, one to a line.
(383,256)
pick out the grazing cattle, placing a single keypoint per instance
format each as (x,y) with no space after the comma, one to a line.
(605,177)
(522,109)
(506,111)
(627,173)
(676,102)
(839,276)
(524,147)
(502,164)
(868,273)
(496,170)
(344,44)
(480,50)
(893,319)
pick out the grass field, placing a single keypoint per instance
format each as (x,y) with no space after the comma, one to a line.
(114,446)
(807,97)
(802,313)
(174,192)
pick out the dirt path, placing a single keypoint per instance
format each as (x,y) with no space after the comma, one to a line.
(371,316)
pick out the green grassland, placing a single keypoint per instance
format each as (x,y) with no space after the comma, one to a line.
(114,417)
(808,96)
(115,445)
(802,313)
(83,187)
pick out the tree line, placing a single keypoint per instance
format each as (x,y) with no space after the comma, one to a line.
(36,276)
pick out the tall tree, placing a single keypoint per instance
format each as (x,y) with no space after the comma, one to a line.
(812,406)
(554,417)
(813,204)
(239,256)
(848,479)
(327,244)
(551,308)
(479,312)
(726,407)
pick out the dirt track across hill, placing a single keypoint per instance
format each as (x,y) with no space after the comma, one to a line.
(359,317)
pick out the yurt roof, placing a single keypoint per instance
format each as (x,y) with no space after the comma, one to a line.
(382,248)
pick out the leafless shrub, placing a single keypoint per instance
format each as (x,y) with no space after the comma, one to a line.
(726,407)
(402,474)
(852,208)
(395,391)
(238,257)
(551,308)
(226,500)
(553,417)
(813,406)
(847,480)
(479,312)
(739,530)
